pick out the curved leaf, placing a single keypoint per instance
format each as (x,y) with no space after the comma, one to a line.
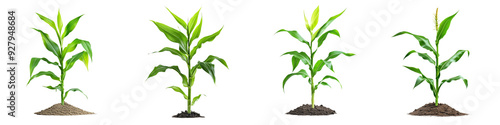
(323,37)
(424,56)
(72,46)
(325,25)
(319,65)
(85,59)
(420,79)
(193,21)
(171,33)
(71,26)
(162,68)
(329,65)
(48,21)
(453,58)
(73,90)
(211,58)
(417,70)
(49,44)
(334,54)
(302,72)
(178,19)
(295,35)
(179,90)
(466,82)
(34,62)
(203,40)
(71,61)
(443,27)
(195,99)
(295,62)
(196,32)
(174,52)
(58,87)
(424,42)
(314,18)
(59,21)
(331,77)
(300,55)
(307,23)
(44,73)
(209,68)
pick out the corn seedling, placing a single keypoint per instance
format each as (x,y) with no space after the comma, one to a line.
(308,58)
(186,53)
(436,85)
(60,53)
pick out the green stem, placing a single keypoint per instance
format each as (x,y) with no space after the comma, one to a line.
(189,72)
(63,73)
(438,74)
(312,73)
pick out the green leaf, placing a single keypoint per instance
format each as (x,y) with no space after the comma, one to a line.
(424,42)
(178,19)
(319,65)
(74,90)
(424,56)
(71,61)
(334,54)
(174,52)
(417,70)
(466,82)
(443,27)
(302,72)
(325,25)
(300,55)
(58,87)
(329,65)
(71,26)
(295,35)
(72,46)
(453,58)
(323,37)
(195,99)
(171,33)
(331,77)
(48,21)
(295,62)
(197,31)
(59,20)
(44,73)
(34,62)
(307,23)
(49,44)
(162,68)
(209,68)
(314,18)
(193,21)
(203,40)
(420,79)
(179,90)
(85,59)
(211,58)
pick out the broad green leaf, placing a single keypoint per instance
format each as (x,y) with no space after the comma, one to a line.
(453,58)
(203,40)
(58,87)
(302,72)
(300,55)
(307,23)
(329,65)
(209,68)
(195,99)
(49,44)
(162,68)
(44,73)
(424,42)
(85,59)
(295,35)
(72,46)
(295,62)
(424,56)
(417,70)
(409,53)
(34,62)
(59,20)
(174,52)
(179,90)
(319,65)
(48,21)
(331,77)
(74,90)
(171,33)
(325,25)
(334,54)
(193,21)
(314,18)
(431,84)
(420,79)
(71,61)
(321,83)
(71,26)
(443,27)
(196,32)
(178,19)
(212,58)
(466,82)
(323,37)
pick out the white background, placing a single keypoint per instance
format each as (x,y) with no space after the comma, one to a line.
(376,87)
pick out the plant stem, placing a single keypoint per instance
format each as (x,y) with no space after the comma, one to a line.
(63,73)
(189,72)
(312,73)
(438,74)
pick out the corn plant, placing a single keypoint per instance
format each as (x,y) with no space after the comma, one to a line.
(436,85)
(186,53)
(308,58)
(60,53)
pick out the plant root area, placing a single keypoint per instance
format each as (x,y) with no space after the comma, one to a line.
(185,114)
(66,109)
(430,109)
(306,109)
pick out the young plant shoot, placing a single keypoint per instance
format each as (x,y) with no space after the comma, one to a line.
(60,53)
(435,84)
(307,58)
(186,52)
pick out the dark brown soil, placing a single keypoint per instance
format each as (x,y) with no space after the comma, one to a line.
(306,109)
(185,114)
(66,109)
(431,109)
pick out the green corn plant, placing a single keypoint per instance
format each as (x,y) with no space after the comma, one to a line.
(308,58)
(60,53)
(186,53)
(441,29)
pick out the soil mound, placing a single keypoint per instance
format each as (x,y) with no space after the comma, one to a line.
(66,109)
(185,114)
(306,109)
(432,110)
